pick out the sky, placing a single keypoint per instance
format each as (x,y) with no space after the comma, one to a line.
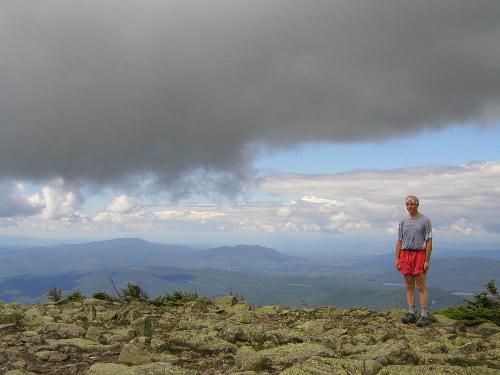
(280,123)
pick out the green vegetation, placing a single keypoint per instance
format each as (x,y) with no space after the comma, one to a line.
(133,292)
(55,294)
(178,298)
(74,296)
(485,307)
(103,296)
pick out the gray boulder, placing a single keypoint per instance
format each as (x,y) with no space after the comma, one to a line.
(248,359)
(65,330)
(338,366)
(436,370)
(291,353)
(200,342)
(392,352)
(148,369)
(132,354)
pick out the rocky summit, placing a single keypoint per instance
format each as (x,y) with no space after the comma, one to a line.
(228,336)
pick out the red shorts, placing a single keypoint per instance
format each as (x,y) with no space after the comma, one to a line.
(411,262)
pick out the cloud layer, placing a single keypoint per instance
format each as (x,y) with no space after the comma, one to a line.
(461,202)
(101,91)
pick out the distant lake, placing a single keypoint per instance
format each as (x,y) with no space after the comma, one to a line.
(35,285)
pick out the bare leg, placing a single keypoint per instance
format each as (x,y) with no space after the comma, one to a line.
(410,289)
(422,290)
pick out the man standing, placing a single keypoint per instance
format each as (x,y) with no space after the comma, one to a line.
(413,253)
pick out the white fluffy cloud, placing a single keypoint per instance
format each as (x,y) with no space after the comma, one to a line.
(60,201)
(124,204)
(15,202)
(461,201)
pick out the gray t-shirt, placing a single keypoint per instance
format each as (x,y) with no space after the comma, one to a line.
(413,233)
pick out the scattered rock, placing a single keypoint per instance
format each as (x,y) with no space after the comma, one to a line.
(19,372)
(291,353)
(149,369)
(201,342)
(328,366)
(91,312)
(65,330)
(132,354)
(51,355)
(93,333)
(82,345)
(392,352)
(8,316)
(248,359)
(231,337)
(436,370)
(142,326)
(488,329)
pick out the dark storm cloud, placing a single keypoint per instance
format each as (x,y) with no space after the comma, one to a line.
(102,90)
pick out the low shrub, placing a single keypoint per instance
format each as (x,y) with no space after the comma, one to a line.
(178,298)
(55,294)
(103,296)
(134,292)
(485,307)
(74,296)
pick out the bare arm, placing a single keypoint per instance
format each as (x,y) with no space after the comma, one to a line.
(398,250)
(428,251)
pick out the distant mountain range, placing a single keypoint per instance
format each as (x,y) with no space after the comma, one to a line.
(262,275)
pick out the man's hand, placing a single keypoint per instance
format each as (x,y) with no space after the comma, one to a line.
(396,263)
(426,266)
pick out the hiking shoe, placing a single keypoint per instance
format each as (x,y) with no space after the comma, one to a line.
(423,321)
(409,318)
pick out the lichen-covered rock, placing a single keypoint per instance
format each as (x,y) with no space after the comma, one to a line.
(291,353)
(142,326)
(199,341)
(19,372)
(255,333)
(237,339)
(147,369)
(266,310)
(91,312)
(392,352)
(243,317)
(436,370)
(93,333)
(488,328)
(226,301)
(82,344)
(315,326)
(9,316)
(359,312)
(65,330)
(435,347)
(194,322)
(248,359)
(132,354)
(133,314)
(337,366)
(283,336)
(232,332)
(52,355)
(444,320)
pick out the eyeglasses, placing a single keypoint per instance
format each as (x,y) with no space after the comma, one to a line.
(411,203)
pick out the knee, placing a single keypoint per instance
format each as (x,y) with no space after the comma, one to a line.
(410,285)
(421,287)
